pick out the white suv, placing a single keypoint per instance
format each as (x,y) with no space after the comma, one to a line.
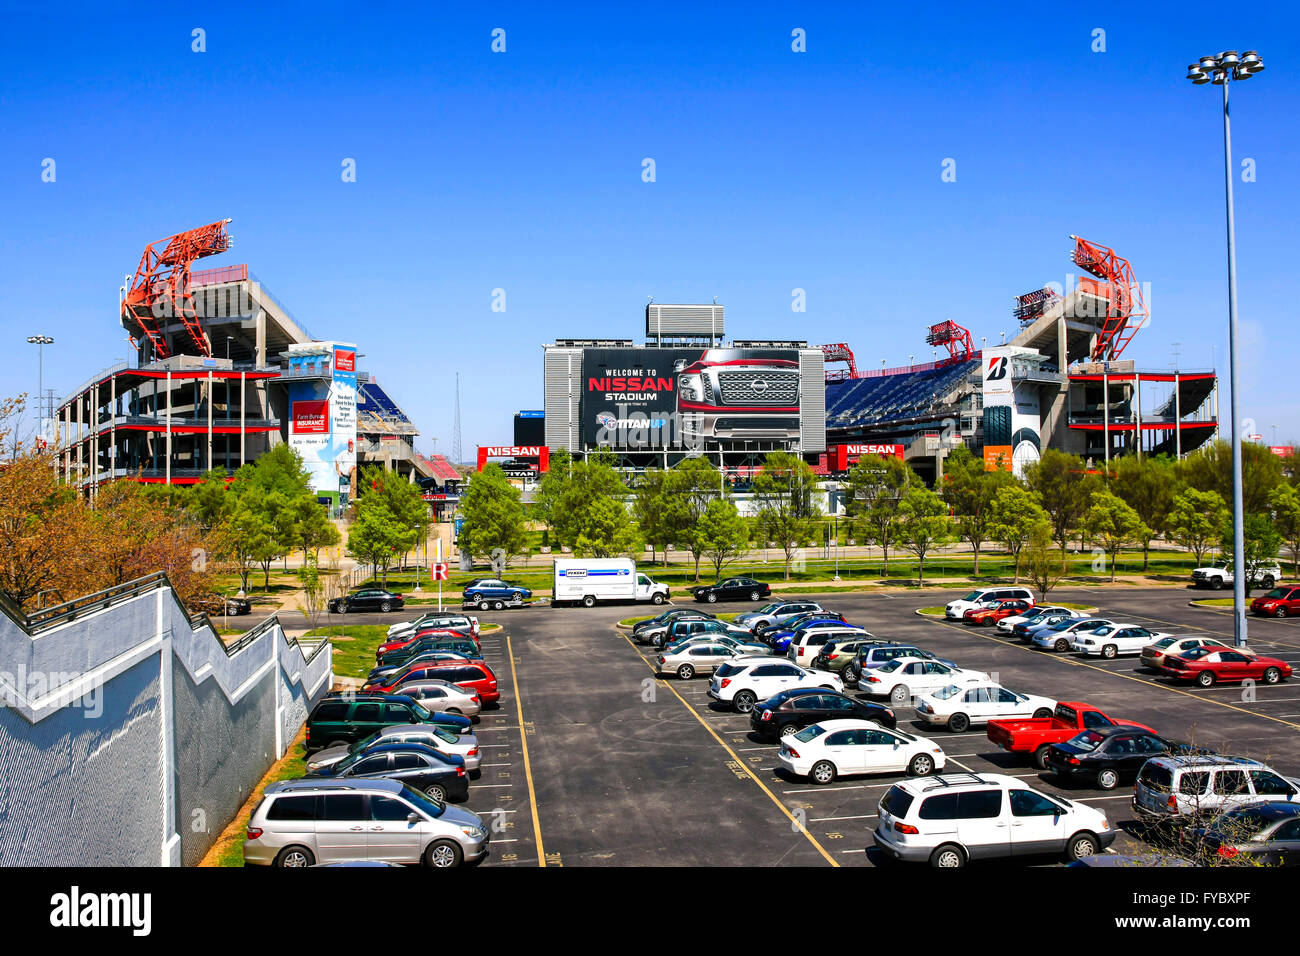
(1178,789)
(807,643)
(954,610)
(745,681)
(952,819)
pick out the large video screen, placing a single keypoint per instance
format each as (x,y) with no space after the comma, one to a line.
(688,397)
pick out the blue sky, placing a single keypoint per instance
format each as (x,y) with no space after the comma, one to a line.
(521,170)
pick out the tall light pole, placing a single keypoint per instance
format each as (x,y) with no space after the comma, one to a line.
(40,341)
(1221,70)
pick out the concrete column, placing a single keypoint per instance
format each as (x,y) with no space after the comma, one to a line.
(112,426)
(1178,420)
(94,439)
(243,392)
(168,453)
(1137,413)
(208,462)
(1105,415)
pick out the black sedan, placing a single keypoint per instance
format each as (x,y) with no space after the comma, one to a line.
(1108,755)
(367,599)
(792,710)
(732,589)
(435,774)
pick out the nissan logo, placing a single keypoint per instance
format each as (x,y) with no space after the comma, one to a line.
(758,385)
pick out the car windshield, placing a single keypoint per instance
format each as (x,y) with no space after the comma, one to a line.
(364,743)
(1194,653)
(1104,630)
(769,608)
(1276,593)
(432,807)
(1063,625)
(445,736)
(950,691)
(726,670)
(810,733)
(972,596)
(889,667)
(421,712)
(1165,642)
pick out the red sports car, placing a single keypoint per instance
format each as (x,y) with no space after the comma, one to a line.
(1209,665)
(1278,602)
(988,616)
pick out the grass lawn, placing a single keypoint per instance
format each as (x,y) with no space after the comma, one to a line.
(229,848)
(1214,602)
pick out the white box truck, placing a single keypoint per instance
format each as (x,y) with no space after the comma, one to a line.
(588,580)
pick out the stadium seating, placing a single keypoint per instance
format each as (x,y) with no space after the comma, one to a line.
(892,398)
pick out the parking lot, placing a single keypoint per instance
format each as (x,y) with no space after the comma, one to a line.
(627,768)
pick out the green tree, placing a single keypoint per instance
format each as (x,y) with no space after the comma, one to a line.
(494,516)
(1285,502)
(250,532)
(1014,515)
(315,529)
(1113,525)
(691,485)
(376,536)
(588,511)
(874,487)
(970,489)
(1147,485)
(313,587)
(721,535)
(1044,565)
(210,500)
(787,513)
(607,530)
(654,509)
(923,525)
(1057,478)
(1210,469)
(1196,520)
(1261,542)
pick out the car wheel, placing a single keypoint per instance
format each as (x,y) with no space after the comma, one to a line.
(958,723)
(386,606)
(712,598)
(1267,583)
(789,730)
(744,701)
(1081,845)
(482,604)
(498,605)
(657,599)
(295,856)
(1205,679)
(823,772)
(589,600)
(685,672)
(1272,675)
(436,791)
(1040,757)
(948,857)
(754,595)
(922,765)
(443,854)
(1042,712)
(850,674)
(1107,779)
(1216,584)
(1109,651)
(898,695)
(987,622)
(1281,611)
(1061,646)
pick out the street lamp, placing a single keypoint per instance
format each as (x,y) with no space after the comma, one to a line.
(40,341)
(1221,70)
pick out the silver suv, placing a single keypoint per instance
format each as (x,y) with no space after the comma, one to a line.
(1177,789)
(305,822)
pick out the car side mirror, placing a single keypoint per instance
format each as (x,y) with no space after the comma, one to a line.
(412,817)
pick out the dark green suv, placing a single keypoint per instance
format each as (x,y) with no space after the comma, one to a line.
(341,719)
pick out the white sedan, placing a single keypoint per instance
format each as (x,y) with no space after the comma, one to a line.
(1007,624)
(905,678)
(958,707)
(839,748)
(1112,640)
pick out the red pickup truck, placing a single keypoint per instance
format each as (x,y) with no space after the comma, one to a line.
(1034,735)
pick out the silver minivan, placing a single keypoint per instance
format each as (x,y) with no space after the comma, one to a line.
(306,822)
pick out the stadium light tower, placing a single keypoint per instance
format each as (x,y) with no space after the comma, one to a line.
(40,341)
(1221,70)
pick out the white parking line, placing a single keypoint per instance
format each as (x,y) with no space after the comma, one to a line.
(493,786)
(853,851)
(865,786)
(859,816)
(507,764)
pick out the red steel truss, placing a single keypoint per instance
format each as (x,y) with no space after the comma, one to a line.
(1126,310)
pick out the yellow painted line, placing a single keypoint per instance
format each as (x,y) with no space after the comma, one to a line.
(523,743)
(743,765)
(1140,680)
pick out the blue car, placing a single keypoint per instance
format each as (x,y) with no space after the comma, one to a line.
(494,593)
(778,638)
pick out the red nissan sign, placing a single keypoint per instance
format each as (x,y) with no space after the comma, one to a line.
(311,417)
(843,456)
(540,452)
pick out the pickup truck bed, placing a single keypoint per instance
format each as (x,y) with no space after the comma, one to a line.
(1033,735)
